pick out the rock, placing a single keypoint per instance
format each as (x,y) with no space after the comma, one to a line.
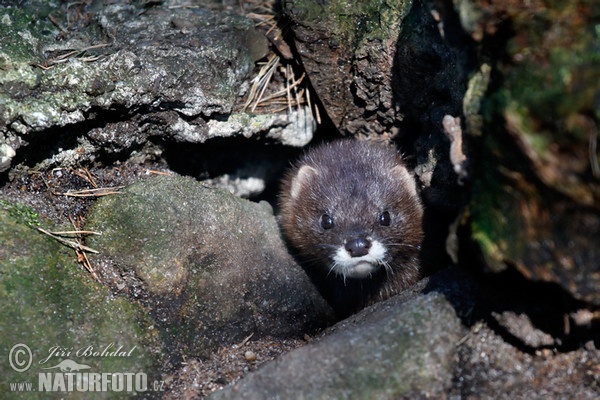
(396,349)
(535,201)
(54,312)
(429,81)
(293,129)
(348,53)
(6,155)
(131,70)
(125,77)
(520,326)
(517,345)
(489,367)
(214,266)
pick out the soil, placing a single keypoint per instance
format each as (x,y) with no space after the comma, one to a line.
(488,367)
(199,378)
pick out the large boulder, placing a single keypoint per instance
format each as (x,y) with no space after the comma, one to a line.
(213,266)
(535,200)
(398,349)
(84,82)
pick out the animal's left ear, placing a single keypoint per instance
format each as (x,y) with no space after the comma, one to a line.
(401,173)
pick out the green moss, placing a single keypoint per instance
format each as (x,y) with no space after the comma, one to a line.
(353,21)
(474,98)
(556,90)
(522,122)
(557,73)
(21,213)
(48,300)
(495,213)
(547,99)
(22,29)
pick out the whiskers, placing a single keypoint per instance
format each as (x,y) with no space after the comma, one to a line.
(389,271)
(333,268)
(405,245)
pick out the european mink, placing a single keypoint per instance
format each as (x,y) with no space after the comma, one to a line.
(351,211)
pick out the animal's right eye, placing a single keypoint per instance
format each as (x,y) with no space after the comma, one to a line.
(326,221)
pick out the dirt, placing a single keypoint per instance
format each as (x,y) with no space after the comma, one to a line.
(199,378)
(488,367)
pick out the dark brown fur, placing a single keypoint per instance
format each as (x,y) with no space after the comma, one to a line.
(354,183)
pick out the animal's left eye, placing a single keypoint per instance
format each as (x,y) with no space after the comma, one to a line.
(326,221)
(385,219)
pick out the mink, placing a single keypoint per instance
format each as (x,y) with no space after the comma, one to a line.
(351,212)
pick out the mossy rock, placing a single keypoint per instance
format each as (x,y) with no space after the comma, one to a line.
(213,266)
(55,308)
(535,200)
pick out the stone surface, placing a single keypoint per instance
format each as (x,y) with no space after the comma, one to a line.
(348,50)
(107,84)
(52,306)
(213,266)
(535,200)
(489,367)
(397,349)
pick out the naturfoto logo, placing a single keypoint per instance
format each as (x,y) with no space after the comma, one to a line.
(64,374)
(69,366)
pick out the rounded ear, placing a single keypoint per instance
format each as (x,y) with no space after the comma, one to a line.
(303,177)
(406,178)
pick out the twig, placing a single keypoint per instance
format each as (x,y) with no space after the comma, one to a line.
(65,57)
(295,82)
(86,175)
(261,82)
(246,339)
(77,232)
(293,92)
(56,23)
(98,192)
(153,171)
(85,261)
(81,254)
(82,50)
(69,243)
(286,90)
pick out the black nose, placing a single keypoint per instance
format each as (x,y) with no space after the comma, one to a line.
(358,247)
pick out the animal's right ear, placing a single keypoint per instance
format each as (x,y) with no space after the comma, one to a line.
(303,177)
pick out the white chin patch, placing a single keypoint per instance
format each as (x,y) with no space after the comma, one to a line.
(358,267)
